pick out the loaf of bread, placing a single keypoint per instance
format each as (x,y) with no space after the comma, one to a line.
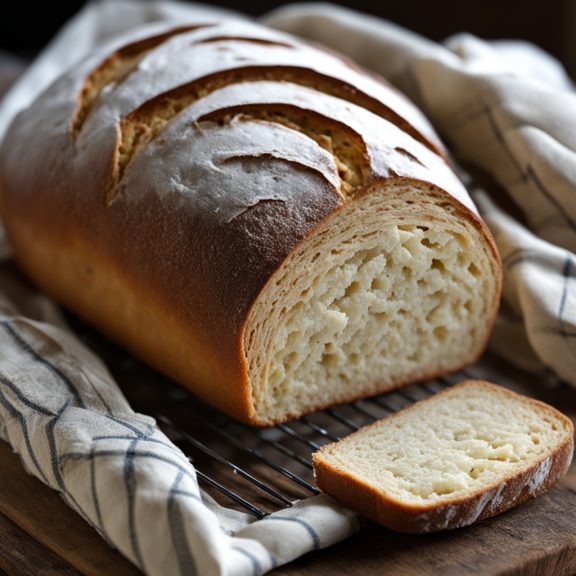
(468,453)
(257,218)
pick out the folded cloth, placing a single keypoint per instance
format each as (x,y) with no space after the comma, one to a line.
(505,109)
(508,111)
(64,415)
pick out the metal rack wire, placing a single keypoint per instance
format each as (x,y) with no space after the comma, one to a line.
(259,470)
(254,470)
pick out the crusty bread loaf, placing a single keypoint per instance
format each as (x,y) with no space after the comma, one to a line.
(465,454)
(259,219)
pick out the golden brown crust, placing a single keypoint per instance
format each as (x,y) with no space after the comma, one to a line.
(179,293)
(115,67)
(180,327)
(454,512)
(379,387)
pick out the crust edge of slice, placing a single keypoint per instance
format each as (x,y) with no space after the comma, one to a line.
(454,512)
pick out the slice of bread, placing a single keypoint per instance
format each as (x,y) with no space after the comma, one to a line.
(465,454)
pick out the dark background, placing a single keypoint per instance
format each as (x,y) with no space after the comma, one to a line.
(550,24)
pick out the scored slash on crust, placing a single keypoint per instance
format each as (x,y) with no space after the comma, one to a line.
(314,213)
(143,124)
(115,68)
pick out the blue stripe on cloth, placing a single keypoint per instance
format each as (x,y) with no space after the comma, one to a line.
(28,403)
(531,173)
(501,140)
(186,560)
(468,116)
(561,328)
(152,440)
(528,173)
(22,422)
(519,255)
(103,400)
(51,367)
(149,428)
(512,255)
(51,437)
(139,454)
(52,445)
(524,256)
(256,566)
(130,485)
(512,259)
(108,410)
(94,489)
(567,275)
(187,494)
(313,534)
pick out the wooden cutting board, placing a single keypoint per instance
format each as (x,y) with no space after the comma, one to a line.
(39,534)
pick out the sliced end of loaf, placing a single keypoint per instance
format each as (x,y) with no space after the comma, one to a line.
(466,454)
(261,221)
(397,286)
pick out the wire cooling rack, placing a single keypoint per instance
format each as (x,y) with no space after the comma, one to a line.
(258,470)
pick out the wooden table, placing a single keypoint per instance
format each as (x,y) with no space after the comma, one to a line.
(39,534)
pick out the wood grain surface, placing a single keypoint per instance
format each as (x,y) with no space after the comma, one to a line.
(22,555)
(40,535)
(536,539)
(37,530)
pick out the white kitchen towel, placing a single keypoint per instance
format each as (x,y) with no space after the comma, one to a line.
(504,109)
